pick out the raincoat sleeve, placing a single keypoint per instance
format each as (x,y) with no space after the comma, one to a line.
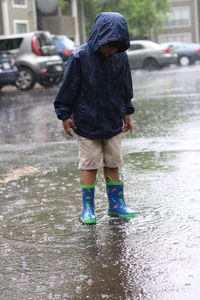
(128,88)
(68,94)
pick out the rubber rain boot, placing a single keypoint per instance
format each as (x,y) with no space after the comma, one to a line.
(117,204)
(88,214)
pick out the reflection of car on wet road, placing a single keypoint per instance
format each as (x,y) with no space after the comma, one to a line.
(187,53)
(8,69)
(36,58)
(148,55)
(64,46)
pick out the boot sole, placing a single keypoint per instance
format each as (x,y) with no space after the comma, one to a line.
(88,222)
(114,214)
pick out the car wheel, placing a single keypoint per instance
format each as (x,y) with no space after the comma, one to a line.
(151,64)
(184,61)
(26,79)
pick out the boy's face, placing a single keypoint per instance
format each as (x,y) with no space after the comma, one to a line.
(108,50)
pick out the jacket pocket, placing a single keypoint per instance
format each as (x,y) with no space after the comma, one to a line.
(87,114)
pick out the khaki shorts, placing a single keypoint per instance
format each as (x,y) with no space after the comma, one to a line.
(94,154)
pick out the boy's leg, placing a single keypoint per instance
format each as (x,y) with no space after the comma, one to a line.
(88,182)
(88,177)
(88,214)
(115,189)
(112,157)
(111,172)
(90,159)
(117,204)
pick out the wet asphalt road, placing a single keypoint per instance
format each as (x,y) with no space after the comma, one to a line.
(45,253)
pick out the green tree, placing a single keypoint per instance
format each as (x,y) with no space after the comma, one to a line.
(141,15)
(63,3)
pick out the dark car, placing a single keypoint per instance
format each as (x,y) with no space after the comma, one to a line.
(8,69)
(187,53)
(64,46)
(196,50)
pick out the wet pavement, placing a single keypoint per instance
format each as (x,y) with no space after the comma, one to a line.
(45,253)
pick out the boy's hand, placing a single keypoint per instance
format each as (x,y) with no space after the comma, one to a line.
(127,124)
(67,125)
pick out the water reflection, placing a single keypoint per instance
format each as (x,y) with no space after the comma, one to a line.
(29,117)
(104,261)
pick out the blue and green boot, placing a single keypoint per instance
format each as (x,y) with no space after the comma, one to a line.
(117,205)
(88,214)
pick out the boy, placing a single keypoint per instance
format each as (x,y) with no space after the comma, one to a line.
(95,101)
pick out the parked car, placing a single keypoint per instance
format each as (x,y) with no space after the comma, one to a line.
(8,69)
(64,46)
(196,48)
(144,54)
(187,53)
(36,58)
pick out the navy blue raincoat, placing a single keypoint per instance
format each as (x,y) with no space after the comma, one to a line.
(96,91)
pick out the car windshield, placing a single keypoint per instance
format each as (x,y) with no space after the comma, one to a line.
(45,39)
(152,45)
(180,45)
(137,45)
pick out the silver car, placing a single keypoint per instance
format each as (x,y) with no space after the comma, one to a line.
(36,58)
(148,55)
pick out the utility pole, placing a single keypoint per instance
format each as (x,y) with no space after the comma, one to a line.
(197,17)
(34,14)
(83,31)
(75,15)
(5,15)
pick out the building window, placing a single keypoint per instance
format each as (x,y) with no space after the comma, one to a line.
(178,17)
(185,37)
(19,3)
(20,26)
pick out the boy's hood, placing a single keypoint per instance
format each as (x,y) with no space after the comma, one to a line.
(109,27)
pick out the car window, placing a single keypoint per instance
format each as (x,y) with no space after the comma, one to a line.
(10,44)
(67,42)
(152,45)
(187,46)
(136,47)
(3,56)
(63,42)
(44,39)
(58,44)
(174,46)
